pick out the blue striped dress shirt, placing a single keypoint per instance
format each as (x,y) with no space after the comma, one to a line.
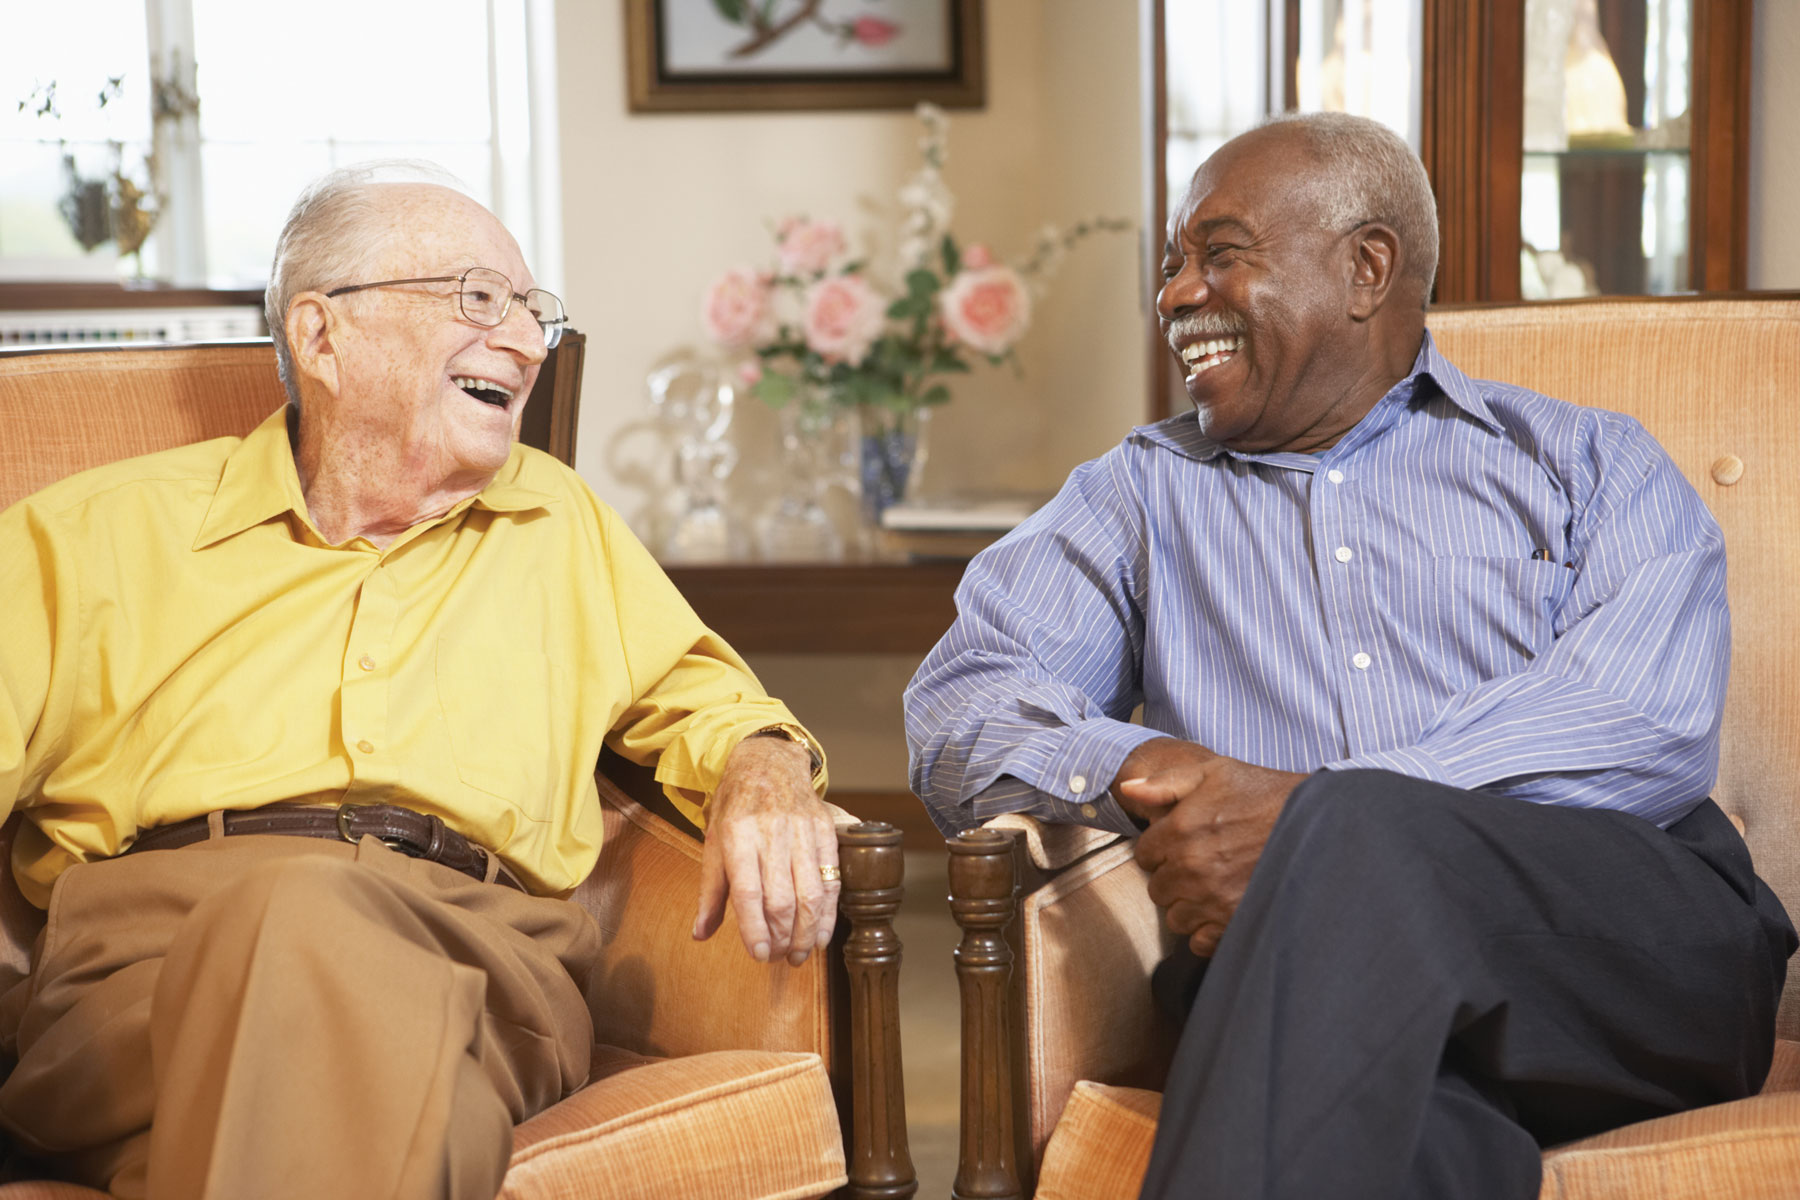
(1477,585)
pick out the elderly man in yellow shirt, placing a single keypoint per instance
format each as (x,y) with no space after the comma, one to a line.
(376,614)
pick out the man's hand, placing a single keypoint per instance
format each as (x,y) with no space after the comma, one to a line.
(1209,817)
(767,836)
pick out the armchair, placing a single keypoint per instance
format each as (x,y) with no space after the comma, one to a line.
(1061,1048)
(722,1077)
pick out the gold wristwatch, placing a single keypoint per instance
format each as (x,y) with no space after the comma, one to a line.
(794,733)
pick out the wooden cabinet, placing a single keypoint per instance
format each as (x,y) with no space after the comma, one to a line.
(1650,197)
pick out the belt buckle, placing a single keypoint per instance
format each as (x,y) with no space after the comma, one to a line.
(343,828)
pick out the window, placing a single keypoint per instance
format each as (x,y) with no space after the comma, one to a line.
(284,94)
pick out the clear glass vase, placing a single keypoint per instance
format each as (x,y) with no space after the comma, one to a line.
(797,527)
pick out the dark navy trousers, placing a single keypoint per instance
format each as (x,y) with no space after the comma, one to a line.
(1423,987)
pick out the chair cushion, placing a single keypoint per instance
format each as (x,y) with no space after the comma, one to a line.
(1745,1150)
(732,1124)
(1101,1147)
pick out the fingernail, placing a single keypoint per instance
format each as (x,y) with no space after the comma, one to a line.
(696,931)
(798,957)
(760,952)
(823,940)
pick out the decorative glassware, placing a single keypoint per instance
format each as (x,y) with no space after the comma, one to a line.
(695,402)
(797,527)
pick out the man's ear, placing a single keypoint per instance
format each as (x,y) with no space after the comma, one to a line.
(1374,254)
(311,324)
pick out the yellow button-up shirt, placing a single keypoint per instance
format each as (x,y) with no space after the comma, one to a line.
(176,637)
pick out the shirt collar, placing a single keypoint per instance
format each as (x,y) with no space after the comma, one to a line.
(1182,434)
(260,482)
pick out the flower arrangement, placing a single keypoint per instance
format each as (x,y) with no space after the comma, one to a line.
(822,324)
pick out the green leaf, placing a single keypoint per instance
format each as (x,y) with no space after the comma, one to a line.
(947,361)
(774,390)
(731,10)
(922,284)
(952,256)
(937,394)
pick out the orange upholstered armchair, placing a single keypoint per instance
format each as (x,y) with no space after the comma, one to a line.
(721,1077)
(1061,1048)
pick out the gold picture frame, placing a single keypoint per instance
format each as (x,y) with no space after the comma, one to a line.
(673,63)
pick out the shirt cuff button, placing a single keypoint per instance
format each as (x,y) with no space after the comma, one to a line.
(1078,784)
(1089,811)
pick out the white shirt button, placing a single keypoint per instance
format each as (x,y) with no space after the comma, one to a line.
(366,746)
(1360,661)
(1089,811)
(366,662)
(1078,784)
(1342,554)
(1335,475)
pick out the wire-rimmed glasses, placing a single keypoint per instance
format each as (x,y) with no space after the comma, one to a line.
(485,296)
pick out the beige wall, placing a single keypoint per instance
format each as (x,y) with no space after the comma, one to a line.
(1775,146)
(654,206)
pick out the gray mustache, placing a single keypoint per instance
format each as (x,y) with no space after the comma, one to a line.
(1204,325)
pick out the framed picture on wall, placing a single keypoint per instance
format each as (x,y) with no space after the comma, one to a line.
(749,55)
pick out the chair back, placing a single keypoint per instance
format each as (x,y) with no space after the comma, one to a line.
(1717,382)
(66,409)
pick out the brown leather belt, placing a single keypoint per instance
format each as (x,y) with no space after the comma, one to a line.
(415,834)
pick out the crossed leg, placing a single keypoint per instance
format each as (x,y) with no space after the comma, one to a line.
(1422,986)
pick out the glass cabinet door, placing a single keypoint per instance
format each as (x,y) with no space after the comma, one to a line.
(1604,189)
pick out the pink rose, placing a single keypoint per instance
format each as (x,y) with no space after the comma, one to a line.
(844,316)
(736,310)
(873,31)
(808,247)
(988,309)
(750,372)
(976,257)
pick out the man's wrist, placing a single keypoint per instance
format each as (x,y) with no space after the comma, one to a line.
(801,738)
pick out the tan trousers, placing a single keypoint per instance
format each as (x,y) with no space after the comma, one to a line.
(264,1017)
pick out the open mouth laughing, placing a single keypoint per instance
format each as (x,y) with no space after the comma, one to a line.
(1202,356)
(484,390)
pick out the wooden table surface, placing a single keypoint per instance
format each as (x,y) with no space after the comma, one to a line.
(824,608)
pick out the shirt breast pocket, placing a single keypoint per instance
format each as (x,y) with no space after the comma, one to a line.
(498,706)
(1493,616)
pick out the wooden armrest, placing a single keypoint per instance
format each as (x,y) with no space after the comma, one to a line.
(656,991)
(1077,1006)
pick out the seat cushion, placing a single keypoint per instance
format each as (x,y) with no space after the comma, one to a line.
(1101,1147)
(732,1124)
(1745,1150)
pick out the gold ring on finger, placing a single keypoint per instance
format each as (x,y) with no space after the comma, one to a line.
(829,874)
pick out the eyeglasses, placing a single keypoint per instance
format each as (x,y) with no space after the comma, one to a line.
(485,297)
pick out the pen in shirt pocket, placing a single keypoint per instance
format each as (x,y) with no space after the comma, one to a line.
(1542,554)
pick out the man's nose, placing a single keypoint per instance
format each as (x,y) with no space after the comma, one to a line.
(520,332)
(1181,292)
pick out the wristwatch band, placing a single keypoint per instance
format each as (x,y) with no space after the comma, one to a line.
(794,733)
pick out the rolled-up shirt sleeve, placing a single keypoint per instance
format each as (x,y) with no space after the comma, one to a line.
(1024,706)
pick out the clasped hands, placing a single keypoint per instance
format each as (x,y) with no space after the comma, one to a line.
(1209,818)
(767,837)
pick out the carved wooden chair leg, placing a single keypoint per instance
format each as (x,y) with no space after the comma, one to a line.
(982,887)
(880,1162)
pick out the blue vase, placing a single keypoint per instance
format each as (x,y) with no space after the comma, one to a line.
(892,450)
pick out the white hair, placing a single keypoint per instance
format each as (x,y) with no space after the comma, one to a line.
(328,239)
(1371,174)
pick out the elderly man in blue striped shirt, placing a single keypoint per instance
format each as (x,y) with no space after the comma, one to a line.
(1431,671)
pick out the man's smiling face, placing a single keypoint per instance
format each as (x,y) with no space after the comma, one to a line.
(1254,294)
(440,395)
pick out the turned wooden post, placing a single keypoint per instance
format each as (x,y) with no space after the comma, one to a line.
(982,886)
(880,1162)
